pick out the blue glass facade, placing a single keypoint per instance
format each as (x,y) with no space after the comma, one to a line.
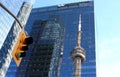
(69,15)
(6,19)
(54,30)
(43,55)
(9,30)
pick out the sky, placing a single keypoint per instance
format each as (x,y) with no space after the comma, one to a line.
(107,34)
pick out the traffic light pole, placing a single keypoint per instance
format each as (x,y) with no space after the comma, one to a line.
(11,14)
(23,40)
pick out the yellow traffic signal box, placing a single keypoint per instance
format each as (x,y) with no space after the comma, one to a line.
(21,46)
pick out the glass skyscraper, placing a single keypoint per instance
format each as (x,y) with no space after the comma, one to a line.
(9,30)
(54,30)
(46,49)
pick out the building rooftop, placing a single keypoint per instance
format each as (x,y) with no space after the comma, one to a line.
(63,6)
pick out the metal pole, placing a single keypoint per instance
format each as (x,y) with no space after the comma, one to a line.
(11,14)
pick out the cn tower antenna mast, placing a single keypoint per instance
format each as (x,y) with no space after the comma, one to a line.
(79,33)
(78,53)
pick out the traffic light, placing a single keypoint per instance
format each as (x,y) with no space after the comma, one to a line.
(21,46)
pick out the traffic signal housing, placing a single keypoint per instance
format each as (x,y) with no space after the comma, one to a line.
(21,46)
